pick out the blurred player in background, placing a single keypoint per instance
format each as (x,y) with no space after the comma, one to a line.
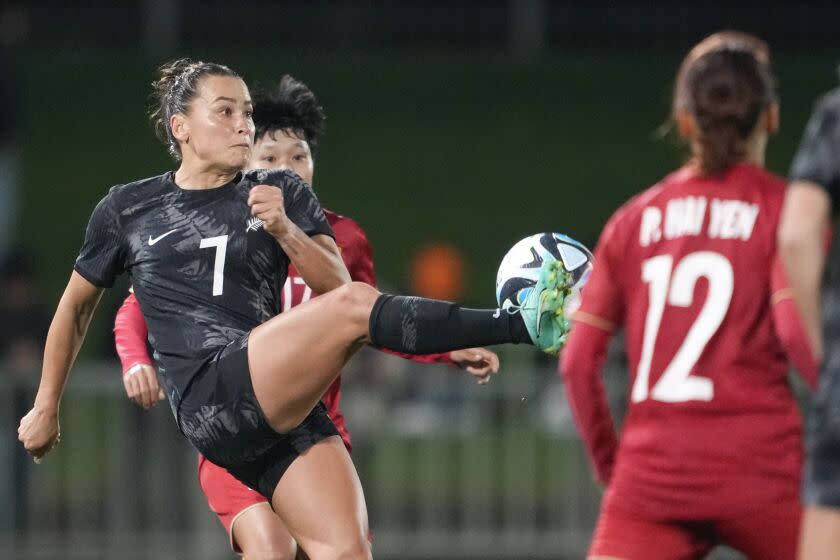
(288,123)
(812,202)
(711,449)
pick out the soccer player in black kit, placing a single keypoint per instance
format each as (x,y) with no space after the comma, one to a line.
(811,203)
(207,248)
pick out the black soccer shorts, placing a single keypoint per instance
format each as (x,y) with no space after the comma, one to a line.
(222,419)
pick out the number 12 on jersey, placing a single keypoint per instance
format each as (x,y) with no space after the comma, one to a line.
(677,289)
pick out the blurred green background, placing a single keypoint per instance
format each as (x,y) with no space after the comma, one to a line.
(476,150)
(469,122)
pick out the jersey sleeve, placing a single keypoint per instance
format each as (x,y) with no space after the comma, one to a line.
(103,255)
(787,322)
(601,298)
(816,159)
(581,363)
(356,252)
(130,333)
(301,204)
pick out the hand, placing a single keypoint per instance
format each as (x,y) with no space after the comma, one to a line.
(142,387)
(480,362)
(39,432)
(266,203)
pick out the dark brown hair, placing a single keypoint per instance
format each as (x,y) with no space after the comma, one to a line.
(725,82)
(172,92)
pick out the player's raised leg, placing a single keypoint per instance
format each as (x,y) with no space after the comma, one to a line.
(294,357)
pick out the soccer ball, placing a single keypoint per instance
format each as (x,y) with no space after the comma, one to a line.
(520,268)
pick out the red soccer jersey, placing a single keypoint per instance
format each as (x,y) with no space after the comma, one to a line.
(712,426)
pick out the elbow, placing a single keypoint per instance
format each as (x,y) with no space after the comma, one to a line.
(790,242)
(793,240)
(572,365)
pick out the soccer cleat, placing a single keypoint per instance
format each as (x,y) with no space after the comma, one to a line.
(542,307)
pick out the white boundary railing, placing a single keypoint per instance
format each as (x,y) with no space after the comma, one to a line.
(450,469)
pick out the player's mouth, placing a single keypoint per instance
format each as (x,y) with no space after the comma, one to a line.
(243,145)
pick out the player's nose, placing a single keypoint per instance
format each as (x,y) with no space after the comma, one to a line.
(242,125)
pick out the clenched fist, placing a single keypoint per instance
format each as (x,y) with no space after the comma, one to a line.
(266,203)
(39,432)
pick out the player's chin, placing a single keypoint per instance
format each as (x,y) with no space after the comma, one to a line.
(239,158)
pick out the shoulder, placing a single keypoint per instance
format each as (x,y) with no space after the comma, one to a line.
(828,104)
(347,230)
(623,226)
(631,210)
(276,177)
(125,195)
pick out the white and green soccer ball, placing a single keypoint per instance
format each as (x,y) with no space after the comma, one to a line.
(520,267)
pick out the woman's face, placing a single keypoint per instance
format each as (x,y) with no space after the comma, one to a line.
(217,128)
(283,149)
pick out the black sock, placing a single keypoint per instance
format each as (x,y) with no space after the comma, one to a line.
(427,326)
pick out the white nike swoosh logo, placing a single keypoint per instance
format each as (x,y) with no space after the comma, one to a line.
(158,238)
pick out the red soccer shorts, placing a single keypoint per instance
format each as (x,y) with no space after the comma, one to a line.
(770,533)
(227,497)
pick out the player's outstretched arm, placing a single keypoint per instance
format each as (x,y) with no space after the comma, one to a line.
(39,429)
(805,217)
(139,375)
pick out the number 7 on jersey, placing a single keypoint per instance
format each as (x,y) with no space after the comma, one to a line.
(220,243)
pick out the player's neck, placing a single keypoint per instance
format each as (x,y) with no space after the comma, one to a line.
(192,177)
(755,149)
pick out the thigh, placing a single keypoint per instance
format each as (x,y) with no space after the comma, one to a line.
(621,536)
(320,500)
(295,357)
(769,533)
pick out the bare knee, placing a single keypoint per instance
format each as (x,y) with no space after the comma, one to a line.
(354,302)
(262,536)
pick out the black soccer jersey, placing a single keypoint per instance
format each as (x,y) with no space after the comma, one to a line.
(818,158)
(818,161)
(204,271)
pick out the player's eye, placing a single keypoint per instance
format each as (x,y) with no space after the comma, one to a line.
(226,111)
(249,113)
(269,159)
(300,157)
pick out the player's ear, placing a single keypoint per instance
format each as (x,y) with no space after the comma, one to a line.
(772,118)
(180,127)
(686,124)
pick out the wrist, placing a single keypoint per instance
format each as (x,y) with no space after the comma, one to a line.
(46,404)
(285,232)
(134,368)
